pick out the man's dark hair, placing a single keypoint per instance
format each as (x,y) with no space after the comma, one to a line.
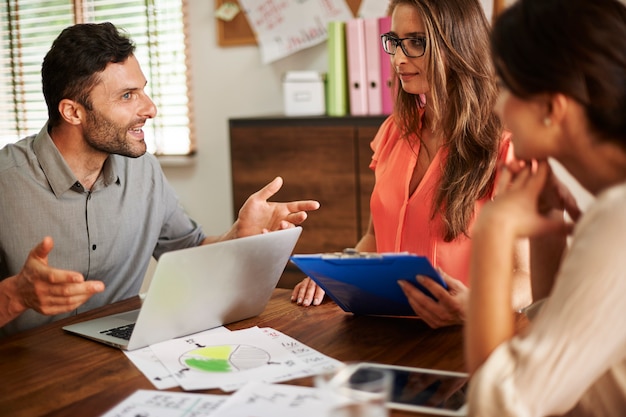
(71,67)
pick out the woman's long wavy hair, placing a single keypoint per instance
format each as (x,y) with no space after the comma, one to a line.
(462,95)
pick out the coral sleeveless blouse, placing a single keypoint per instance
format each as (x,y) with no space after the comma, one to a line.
(403,222)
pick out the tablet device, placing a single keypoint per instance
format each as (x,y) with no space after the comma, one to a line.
(430,391)
(367,283)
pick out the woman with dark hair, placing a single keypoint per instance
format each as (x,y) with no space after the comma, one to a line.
(562,67)
(435,157)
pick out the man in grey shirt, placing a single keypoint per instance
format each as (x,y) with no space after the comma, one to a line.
(83,206)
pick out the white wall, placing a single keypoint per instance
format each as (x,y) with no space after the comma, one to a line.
(226,82)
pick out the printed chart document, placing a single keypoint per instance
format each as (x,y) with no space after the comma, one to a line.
(150,364)
(257,399)
(248,361)
(274,400)
(317,363)
(166,404)
(227,360)
(152,368)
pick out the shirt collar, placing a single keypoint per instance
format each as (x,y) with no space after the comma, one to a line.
(58,173)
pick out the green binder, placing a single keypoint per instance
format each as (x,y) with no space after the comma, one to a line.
(337,77)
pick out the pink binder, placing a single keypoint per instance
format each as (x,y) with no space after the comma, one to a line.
(357,77)
(373,66)
(386,72)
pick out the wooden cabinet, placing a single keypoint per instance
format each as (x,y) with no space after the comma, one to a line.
(321,158)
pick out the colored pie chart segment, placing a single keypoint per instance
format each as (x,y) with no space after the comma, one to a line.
(225,358)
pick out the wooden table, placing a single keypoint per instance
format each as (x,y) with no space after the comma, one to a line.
(48,372)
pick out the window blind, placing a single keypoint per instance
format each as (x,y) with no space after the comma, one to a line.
(28,28)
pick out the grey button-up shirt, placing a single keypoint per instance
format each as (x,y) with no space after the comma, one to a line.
(108,233)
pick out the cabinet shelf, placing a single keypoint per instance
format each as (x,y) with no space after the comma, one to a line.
(319,157)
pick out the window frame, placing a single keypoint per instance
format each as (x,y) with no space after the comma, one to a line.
(163,58)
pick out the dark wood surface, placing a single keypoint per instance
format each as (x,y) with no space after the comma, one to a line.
(319,157)
(315,163)
(48,372)
(365,135)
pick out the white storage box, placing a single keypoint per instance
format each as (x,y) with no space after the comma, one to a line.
(303,93)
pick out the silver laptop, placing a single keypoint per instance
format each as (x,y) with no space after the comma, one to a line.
(199,288)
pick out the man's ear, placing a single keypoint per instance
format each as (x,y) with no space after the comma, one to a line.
(71,111)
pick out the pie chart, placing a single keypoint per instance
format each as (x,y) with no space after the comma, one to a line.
(225,358)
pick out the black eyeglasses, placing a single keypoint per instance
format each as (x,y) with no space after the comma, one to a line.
(412,47)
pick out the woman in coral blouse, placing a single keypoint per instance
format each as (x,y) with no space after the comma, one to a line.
(435,157)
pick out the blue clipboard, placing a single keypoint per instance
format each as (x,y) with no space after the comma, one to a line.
(366,283)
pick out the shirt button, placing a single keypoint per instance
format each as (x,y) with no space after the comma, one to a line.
(93,247)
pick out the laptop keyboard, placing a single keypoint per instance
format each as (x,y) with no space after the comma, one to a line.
(122,332)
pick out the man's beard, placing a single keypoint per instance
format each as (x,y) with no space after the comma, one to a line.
(105,136)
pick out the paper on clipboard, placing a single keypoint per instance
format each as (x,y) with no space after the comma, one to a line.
(367,283)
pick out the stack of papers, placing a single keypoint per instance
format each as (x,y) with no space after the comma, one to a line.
(227,360)
(255,398)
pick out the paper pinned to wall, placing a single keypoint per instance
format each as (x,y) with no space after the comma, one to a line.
(283,27)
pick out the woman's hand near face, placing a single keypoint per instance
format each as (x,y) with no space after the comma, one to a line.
(526,206)
(552,202)
(530,199)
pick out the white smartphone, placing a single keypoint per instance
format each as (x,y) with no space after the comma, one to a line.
(426,390)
